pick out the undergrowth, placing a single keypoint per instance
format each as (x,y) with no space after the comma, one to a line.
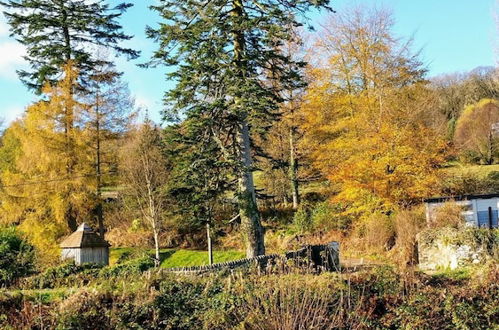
(283,298)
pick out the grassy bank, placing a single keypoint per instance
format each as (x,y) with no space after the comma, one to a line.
(178,257)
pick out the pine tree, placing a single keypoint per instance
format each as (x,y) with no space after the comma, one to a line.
(227,53)
(57,31)
(202,177)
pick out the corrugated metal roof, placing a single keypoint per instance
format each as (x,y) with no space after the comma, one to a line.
(460,198)
(84,237)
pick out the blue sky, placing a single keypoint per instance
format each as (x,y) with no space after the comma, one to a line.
(457,35)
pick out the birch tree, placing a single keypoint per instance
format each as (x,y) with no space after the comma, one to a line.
(145,173)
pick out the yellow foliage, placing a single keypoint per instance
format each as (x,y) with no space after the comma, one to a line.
(49,187)
(43,234)
(366,118)
(476,133)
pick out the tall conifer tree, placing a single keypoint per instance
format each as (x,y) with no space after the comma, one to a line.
(227,54)
(58,31)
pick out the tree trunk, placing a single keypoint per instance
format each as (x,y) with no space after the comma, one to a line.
(210,247)
(157,260)
(490,152)
(98,171)
(293,169)
(70,217)
(248,210)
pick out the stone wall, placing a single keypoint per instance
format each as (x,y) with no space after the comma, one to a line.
(324,257)
(450,248)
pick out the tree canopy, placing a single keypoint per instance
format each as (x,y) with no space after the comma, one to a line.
(55,32)
(227,55)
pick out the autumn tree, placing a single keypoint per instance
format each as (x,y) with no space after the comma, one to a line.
(48,184)
(107,114)
(55,32)
(454,92)
(364,115)
(146,172)
(282,156)
(477,132)
(226,53)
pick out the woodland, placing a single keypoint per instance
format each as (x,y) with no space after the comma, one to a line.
(277,133)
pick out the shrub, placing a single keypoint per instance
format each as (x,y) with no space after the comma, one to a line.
(130,267)
(408,223)
(302,220)
(327,216)
(67,274)
(376,233)
(448,215)
(17,257)
(323,216)
(377,298)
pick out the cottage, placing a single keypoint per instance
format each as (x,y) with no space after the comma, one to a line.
(85,246)
(477,210)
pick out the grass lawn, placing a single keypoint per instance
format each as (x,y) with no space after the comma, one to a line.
(187,258)
(456,168)
(181,257)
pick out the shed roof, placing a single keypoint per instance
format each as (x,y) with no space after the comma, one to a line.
(84,237)
(460,198)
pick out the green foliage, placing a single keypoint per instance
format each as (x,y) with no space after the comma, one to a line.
(17,258)
(302,220)
(462,180)
(328,216)
(130,267)
(56,32)
(321,216)
(374,298)
(68,275)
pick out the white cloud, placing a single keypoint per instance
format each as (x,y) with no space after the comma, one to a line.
(143,102)
(11,52)
(11,58)
(4,28)
(11,113)
(147,105)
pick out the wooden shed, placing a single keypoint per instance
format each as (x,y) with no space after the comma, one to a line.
(85,246)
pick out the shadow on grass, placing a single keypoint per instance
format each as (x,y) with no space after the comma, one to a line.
(163,255)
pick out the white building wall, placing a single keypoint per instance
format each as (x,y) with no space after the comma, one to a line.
(98,255)
(472,207)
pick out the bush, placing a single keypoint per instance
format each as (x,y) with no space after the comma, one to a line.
(448,215)
(67,274)
(376,233)
(17,257)
(302,220)
(320,216)
(377,298)
(408,223)
(130,267)
(327,216)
